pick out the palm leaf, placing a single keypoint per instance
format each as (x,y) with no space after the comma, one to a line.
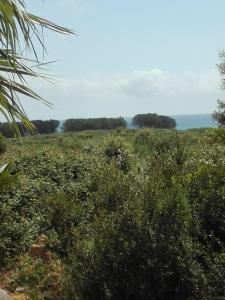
(18,30)
(5,177)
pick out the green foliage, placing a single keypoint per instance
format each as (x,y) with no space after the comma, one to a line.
(153,121)
(3,144)
(93,124)
(42,127)
(129,253)
(124,225)
(217,135)
(116,151)
(5,177)
(219,115)
(20,32)
(63,216)
(148,141)
(6,130)
(40,279)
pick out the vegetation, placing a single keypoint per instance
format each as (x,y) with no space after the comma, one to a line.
(19,29)
(122,218)
(105,215)
(41,127)
(153,121)
(93,124)
(44,127)
(219,115)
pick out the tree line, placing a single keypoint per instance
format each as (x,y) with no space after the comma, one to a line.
(94,124)
(40,127)
(50,126)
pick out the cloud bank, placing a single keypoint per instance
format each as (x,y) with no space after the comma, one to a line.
(126,94)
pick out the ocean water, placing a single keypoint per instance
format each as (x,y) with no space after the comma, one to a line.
(194,121)
(185,122)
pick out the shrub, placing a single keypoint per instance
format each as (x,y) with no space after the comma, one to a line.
(147,141)
(116,150)
(40,279)
(126,227)
(3,145)
(63,216)
(129,254)
(217,135)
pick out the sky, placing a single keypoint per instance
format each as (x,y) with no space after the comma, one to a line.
(131,56)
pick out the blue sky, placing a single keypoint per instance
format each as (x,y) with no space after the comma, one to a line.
(132,57)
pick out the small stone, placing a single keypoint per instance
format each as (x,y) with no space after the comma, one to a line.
(4,295)
(20,289)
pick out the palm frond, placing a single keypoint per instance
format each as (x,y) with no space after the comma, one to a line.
(18,31)
(5,177)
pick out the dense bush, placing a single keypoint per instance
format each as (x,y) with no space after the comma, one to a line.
(45,126)
(122,224)
(116,150)
(140,245)
(23,211)
(217,135)
(153,121)
(40,127)
(156,240)
(146,141)
(93,124)
(6,130)
(3,145)
(219,115)
(40,279)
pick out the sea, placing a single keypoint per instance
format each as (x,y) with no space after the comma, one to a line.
(185,122)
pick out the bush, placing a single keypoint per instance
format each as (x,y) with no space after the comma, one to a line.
(217,135)
(40,279)
(3,145)
(130,254)
(125,226)
(148,141)
(63,216)
(116,150)
(6,130)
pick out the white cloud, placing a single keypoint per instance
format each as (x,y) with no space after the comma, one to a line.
(158,83)
(127,94)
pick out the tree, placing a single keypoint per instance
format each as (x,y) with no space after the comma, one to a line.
(153,121)
(94,124)
(219,115)
(18,31)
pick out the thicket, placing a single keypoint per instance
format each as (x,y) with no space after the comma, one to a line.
(3,145)
(41,127)
(123,224)
(93,124)
(153,121)
(44,127)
